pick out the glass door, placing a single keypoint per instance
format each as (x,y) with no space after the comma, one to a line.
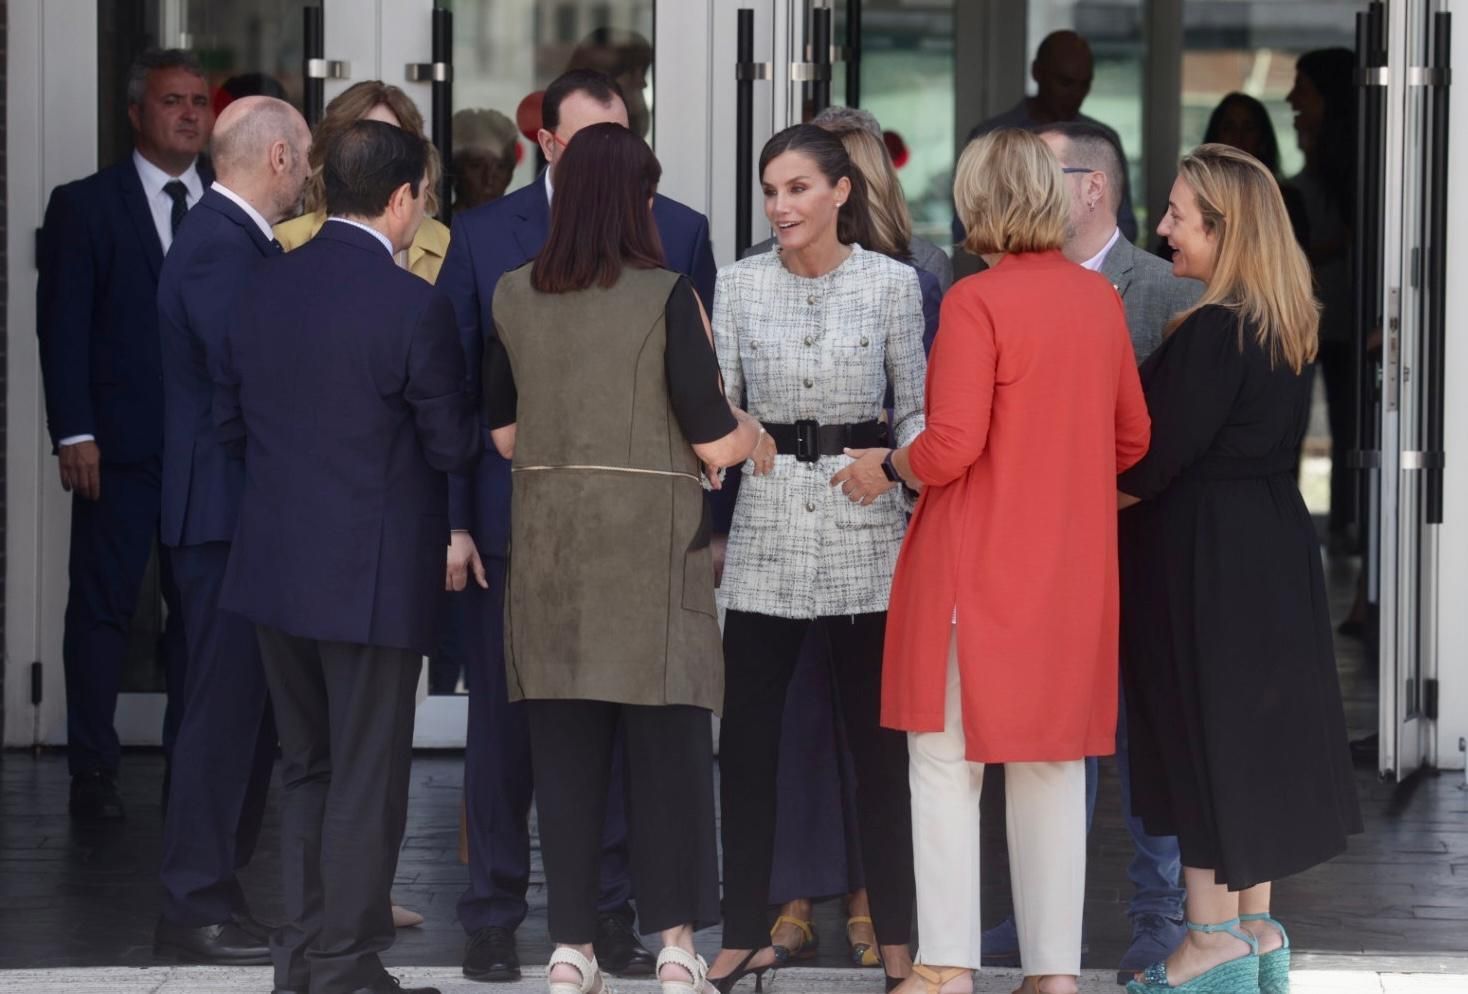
(1413,237)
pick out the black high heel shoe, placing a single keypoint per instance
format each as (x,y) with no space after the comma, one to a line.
(726,984)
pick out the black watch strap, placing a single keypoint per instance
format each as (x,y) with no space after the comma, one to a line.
(889,470)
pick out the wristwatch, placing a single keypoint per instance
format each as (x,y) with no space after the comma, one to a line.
(889,470)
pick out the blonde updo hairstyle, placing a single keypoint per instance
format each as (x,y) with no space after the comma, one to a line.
(350,106)
(1010,194)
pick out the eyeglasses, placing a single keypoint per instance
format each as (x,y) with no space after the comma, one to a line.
(1077,169)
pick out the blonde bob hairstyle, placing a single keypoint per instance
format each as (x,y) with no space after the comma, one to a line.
(349,107)
(1259,270)
(1010,194)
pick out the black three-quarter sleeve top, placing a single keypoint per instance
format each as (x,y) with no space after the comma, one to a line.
(691,365)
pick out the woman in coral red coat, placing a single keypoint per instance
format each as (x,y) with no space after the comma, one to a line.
(1001,639)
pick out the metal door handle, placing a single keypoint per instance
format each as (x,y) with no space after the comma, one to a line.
(429,72)
(328,69)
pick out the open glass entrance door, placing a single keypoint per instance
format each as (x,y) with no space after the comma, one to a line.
(1405,80)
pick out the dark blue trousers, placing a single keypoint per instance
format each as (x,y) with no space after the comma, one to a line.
(498,785)
(817,849)
(224,753)
(112,539)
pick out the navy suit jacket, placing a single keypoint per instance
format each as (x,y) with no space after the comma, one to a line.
(216,252)
(349,379)
(490,241)
(97,316)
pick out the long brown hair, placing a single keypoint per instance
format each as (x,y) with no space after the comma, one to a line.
(1259,271)
(601,218)
(350,106)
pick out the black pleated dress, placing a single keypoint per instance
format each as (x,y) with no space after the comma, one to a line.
(1238,738)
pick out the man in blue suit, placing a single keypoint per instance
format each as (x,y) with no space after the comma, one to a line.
(225,750)
(348,379)
(488,242)
(101,249)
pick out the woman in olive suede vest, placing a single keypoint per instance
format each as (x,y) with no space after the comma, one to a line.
(602,388)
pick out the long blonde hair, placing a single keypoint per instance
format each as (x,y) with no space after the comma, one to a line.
(350,106)
(891,223)
(1259,270)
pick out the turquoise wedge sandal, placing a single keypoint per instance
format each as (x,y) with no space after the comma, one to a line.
(1237,976)
(1274,967)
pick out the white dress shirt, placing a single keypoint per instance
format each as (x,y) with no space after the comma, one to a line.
(1095,262)
(245,206)
(160,205)
(369,229)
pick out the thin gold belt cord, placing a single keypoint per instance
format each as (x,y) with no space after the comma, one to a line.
(608,469)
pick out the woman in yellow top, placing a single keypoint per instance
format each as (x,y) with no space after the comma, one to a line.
(372,100)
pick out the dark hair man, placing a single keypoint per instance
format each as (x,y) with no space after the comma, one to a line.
(488,242)
(226,742)
(100,251)
(346,376)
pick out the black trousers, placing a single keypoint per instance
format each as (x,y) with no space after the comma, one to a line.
(760,653)
(112,539)
(1337,368)
(225,751)
(670,811)
(345,717)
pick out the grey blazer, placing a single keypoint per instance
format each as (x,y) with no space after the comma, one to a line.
(925,255)
(1149,292)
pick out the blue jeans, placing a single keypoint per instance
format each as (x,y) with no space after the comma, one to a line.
(1156,864)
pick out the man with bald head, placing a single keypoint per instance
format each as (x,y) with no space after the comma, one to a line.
(226,742)
(1063,70)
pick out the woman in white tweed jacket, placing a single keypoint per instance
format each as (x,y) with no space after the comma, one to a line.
(812,335)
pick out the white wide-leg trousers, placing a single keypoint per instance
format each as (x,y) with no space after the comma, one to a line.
(1046,821)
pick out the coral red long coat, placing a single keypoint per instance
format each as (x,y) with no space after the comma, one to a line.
(1033,408)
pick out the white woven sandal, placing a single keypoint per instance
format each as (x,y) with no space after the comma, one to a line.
(695,965)
(591,978)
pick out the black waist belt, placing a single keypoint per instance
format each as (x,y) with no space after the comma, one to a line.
(807,441)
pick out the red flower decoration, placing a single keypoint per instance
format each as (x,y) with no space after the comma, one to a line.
(896,147)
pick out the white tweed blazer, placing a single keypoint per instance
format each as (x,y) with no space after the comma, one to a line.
(792,348)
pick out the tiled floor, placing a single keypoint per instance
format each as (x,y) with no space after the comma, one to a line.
(1397,901)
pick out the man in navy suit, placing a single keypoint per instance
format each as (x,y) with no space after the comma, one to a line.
(488,242)
(225,749)
(101,248)
(348,379)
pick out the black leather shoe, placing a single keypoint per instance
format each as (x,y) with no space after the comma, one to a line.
(388,984)
(94,798)
(254,928)
(490,956)
(222,944)
(618,950)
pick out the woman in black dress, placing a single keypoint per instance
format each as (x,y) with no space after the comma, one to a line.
(1238,735)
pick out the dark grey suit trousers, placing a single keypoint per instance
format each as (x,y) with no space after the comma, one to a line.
(345,717)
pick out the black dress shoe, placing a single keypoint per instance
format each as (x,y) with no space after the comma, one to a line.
(388,984)
(618,950)
(490,955)
(254,928)
(94,797)
(223,944)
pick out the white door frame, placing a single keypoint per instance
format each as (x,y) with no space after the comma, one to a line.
(51,77)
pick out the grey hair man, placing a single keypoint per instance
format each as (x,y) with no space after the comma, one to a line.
(225,749)
(1096,176)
